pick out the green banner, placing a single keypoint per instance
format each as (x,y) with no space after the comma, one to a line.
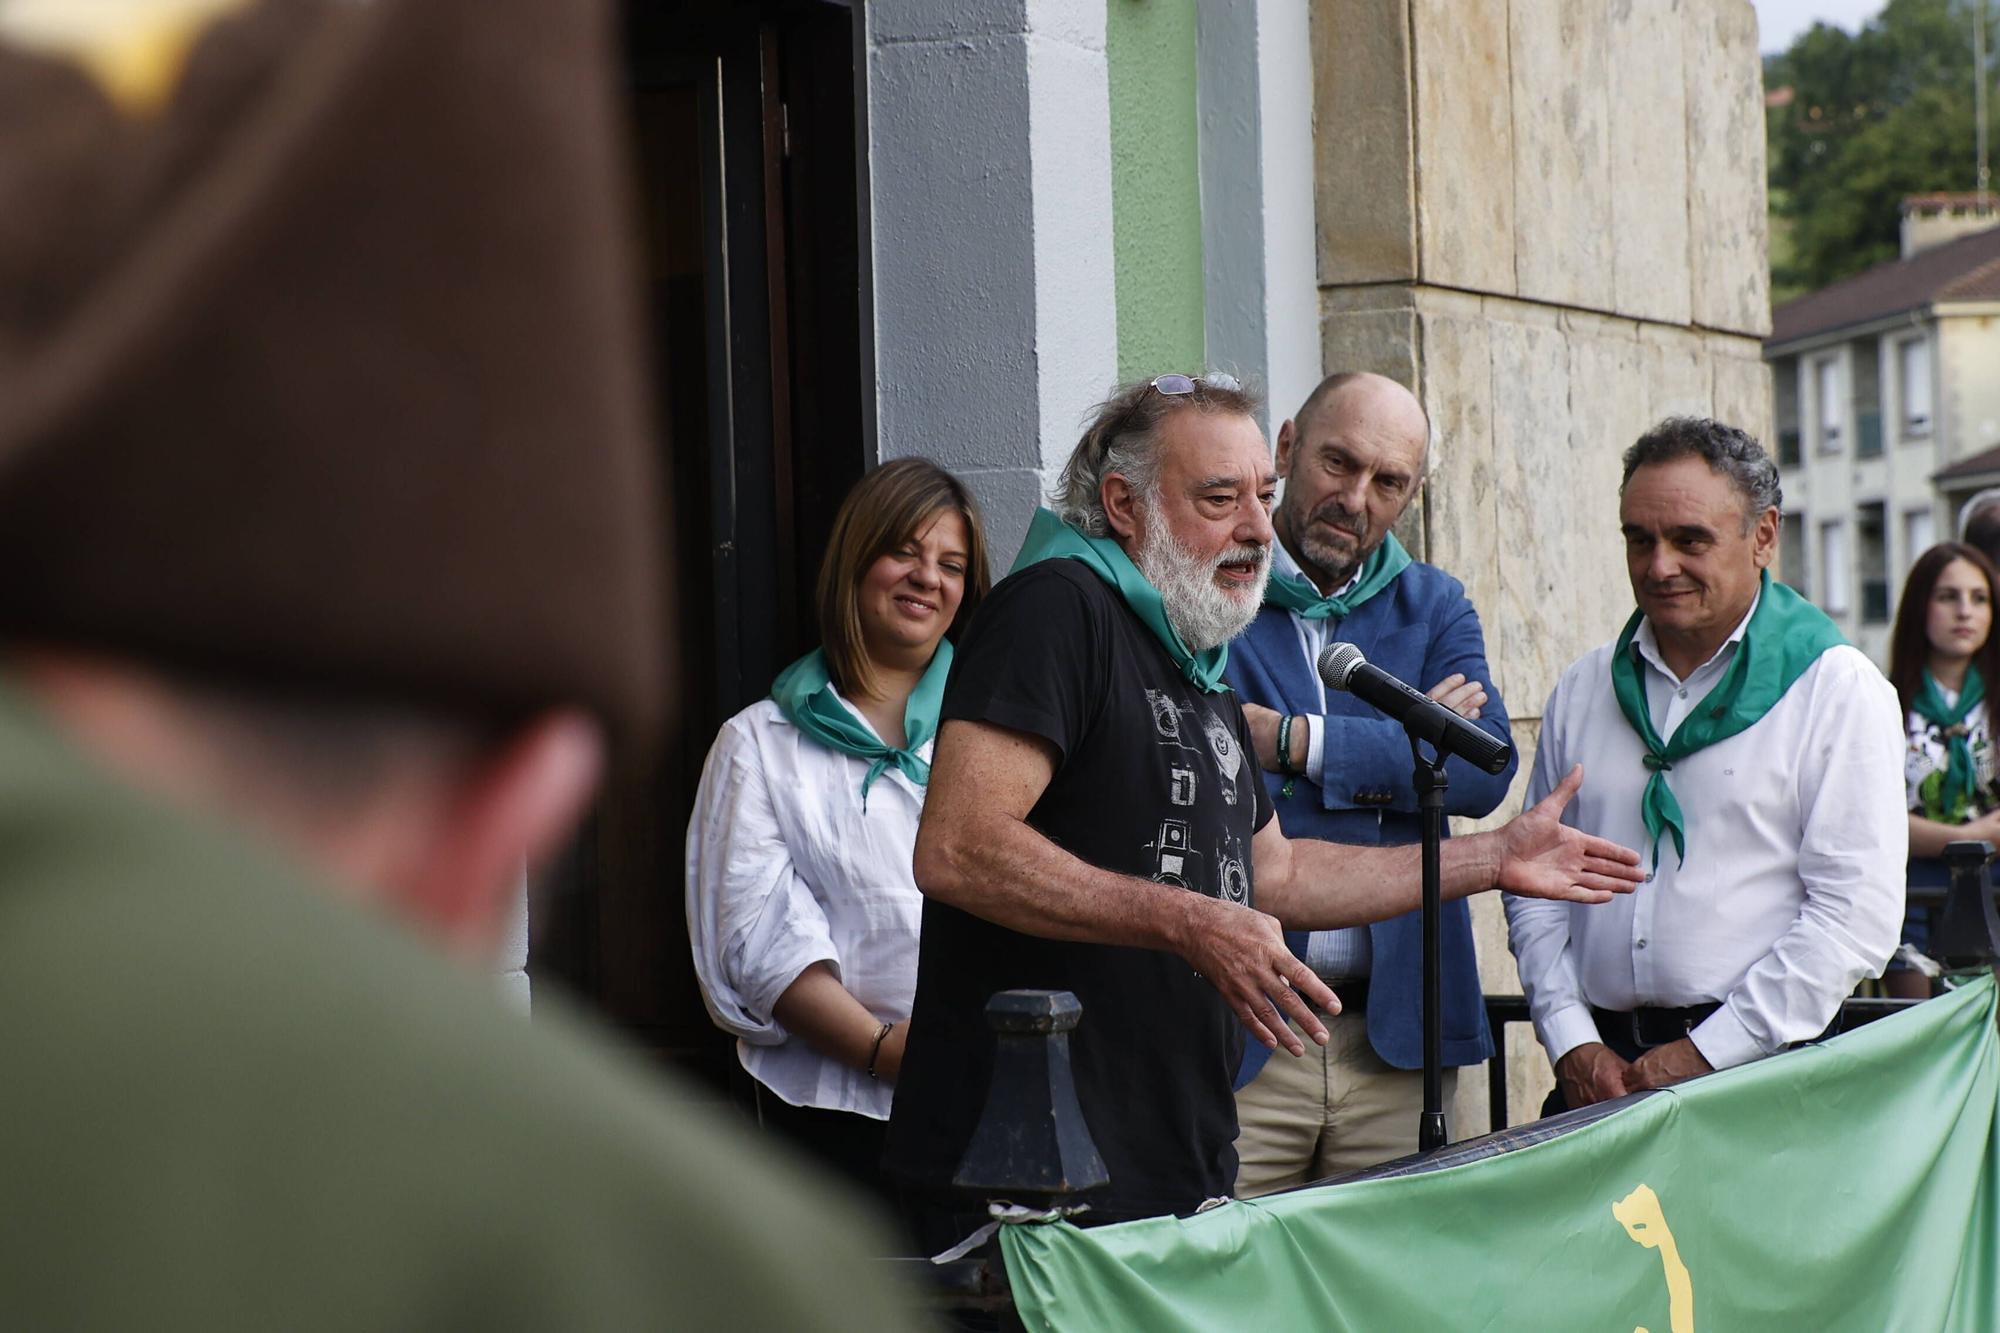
(1849,1185)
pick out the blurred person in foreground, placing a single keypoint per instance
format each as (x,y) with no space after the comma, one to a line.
(800,900)
(323,479)
(1734,734)
(1096,822)
(1941,654)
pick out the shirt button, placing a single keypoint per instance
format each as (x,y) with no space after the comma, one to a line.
(1640,944)
(1684,694)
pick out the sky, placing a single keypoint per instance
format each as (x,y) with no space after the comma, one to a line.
(1779,21)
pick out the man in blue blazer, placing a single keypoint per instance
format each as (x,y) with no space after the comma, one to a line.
(1353,458)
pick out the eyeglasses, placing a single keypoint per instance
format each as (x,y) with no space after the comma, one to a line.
(1174,385)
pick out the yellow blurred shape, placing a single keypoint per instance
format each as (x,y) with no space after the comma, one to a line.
(134,49)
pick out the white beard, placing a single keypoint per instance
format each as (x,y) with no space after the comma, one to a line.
(1205,614)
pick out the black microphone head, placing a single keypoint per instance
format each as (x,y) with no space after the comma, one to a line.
(1337,662)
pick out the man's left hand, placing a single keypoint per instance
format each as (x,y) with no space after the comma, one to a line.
(1541,857)
(1674,1062)
(1264,735)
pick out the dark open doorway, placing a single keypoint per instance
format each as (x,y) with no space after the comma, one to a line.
(745,129)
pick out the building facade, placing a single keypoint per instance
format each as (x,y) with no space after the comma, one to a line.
(1886,394)
(904,227)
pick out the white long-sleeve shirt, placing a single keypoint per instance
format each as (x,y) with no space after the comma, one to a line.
(785,869)
(1792,890)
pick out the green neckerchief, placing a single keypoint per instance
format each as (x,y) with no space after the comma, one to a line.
(1931,707)
(1786,634)
(804,693)
(1299,596)
(1049,538)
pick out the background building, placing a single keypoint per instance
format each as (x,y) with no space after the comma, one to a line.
(948,230)
(1886,392)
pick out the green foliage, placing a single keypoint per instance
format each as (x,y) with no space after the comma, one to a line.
(1872,117)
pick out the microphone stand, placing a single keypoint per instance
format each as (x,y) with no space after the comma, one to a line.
(1430,782)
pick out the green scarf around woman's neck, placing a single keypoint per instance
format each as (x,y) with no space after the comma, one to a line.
(1049,538)
(1378,571)
(804,693)
(1786,634)
(1959,775)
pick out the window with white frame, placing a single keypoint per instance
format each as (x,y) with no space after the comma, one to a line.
(1826,395)
(1919,533)
(1913,384)
(1792,557)
(1836,571)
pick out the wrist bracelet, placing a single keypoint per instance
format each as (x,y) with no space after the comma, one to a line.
(875,1051)
(1285,755)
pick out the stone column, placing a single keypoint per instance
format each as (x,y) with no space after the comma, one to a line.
(1549,220)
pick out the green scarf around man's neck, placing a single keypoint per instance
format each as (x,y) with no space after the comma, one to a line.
(804,693)
(1378,571)
(1049,538)
(1786,634)
(1959,776)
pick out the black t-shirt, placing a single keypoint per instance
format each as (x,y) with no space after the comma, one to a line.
(1155,779)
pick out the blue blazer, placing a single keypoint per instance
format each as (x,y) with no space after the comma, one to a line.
(1419,629)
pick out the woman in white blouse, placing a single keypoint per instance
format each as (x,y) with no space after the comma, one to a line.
(801,906)
(1943,660)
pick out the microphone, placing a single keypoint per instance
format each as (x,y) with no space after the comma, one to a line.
(1344,668)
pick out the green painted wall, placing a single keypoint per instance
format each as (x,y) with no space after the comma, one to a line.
(1155,186)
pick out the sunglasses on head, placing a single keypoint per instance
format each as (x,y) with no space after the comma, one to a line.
(1175,385)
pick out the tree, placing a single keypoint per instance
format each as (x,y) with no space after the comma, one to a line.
(1869,118)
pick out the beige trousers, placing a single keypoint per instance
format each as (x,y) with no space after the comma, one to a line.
(1335,1109)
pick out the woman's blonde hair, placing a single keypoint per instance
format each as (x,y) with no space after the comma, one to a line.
(887,508)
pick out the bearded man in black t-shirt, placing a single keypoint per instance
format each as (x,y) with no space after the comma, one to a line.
(1095,821)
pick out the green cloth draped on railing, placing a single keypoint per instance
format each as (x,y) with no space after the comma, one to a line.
(1853,1185)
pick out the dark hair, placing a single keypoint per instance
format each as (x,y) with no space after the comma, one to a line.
(1733,453)
(1910,642)
(886,508)
(1120,440)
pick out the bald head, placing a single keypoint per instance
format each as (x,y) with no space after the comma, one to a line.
(1352,460)
(1366,394)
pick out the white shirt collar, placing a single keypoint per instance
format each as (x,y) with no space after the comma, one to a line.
(1647,644)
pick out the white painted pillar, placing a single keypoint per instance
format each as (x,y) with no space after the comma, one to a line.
(988,144)
(1255,105)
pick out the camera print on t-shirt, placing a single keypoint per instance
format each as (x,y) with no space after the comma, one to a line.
(1203,747)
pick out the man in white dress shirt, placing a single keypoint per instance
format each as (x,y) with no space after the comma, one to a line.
(1755,759)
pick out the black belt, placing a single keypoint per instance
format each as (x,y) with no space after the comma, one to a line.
(1352,992)
(1652,1027)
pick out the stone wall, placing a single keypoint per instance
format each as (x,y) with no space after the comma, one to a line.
(1548,218)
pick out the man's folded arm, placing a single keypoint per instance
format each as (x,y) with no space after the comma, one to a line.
(1372,752)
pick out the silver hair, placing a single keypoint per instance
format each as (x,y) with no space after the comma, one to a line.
(1726,449)
(1122,439)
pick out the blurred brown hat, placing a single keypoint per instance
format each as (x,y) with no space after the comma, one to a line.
(319,352)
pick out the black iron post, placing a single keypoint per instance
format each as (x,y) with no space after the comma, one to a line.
(1031,1146)
(1968,935)
(1431,783)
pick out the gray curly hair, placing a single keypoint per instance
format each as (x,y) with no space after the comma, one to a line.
(1726,449)
(1122,439)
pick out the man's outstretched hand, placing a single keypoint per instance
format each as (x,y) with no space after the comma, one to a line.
(1541,857)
